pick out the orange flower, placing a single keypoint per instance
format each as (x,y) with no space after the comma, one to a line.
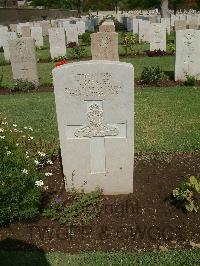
(63,62)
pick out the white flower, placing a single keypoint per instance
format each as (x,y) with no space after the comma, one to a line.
(1,130)
(30,128)
(2,137)
(41,154)
(25,171)
(39,183)
(25,127)
(49,162)
(46,187)
(4,123)
(17,144)
(14,125)
(8,152)
(48,174)
(36,162)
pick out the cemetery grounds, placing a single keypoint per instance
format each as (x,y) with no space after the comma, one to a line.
(167,145)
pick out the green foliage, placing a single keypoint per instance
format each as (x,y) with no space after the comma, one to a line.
(129,42)
(191,81)
(1,77)
(20,196)
(83,208)
(171,48)
(86,38)
(77,52)
(59,58)
(152,75)
(186,195)
(22,85)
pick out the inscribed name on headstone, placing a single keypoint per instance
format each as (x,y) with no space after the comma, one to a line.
(104,46)
(187,54)
(57,42)
(23,60)
(158,37)
(36,34)
(144,31)
(180,24)
(107,26)
(94,104)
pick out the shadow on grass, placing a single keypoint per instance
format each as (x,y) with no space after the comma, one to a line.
(170,74)
(14,252)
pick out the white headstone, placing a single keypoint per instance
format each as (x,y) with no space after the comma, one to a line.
(57,42)
(81,27)
(135,26)
(72,34)
(187,54)
(36,34)
(94,104)
(5,43)
(144,31)
(158,37)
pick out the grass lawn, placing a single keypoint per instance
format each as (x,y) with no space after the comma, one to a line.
(166,119)
(172,258)
(166,63)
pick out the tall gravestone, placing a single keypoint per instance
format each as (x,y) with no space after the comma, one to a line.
(81,27)
(158,37)
(144,31)
(187,54)
(5,43)
(72,33)
(23,60)
(57,42)
(94,104)
(135,26)
(36,34)
(104,46)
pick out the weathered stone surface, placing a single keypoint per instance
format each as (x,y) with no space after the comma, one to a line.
(26,31)
(72,33)
(13,27)
(107,26)
(57,42)
(135,26)
(94,104)
(104,46)
(158,37)
(5,43)
(81,27)
(36,34)
(187,54)
(144,31)
(180,24)
(23,60)
(46,25)
(167,23)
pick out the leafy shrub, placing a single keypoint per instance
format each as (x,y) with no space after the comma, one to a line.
(191,81)
(171,48)
(186,195)
(129,42)
(86,38)
(152,75)
(156,53)
(83,209)
(60,58)
(22,85)
(71,45)
(78,52)
(1,77)
(21,184)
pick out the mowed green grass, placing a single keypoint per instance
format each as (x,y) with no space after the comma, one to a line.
(172,258)
(166,63)
(166,119)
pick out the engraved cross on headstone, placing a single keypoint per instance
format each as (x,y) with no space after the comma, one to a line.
(96,131)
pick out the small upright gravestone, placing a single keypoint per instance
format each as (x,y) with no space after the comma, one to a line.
(36,34)
(57,42)
(107,26)
(158,37)
(135,26)
(23,60)
(144,31)
(72,33)
(104,46)
(5,43)
(180,25)
(26,31)
(187,54)
(94,104)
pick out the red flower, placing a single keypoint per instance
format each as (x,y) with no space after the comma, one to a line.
(63,62)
